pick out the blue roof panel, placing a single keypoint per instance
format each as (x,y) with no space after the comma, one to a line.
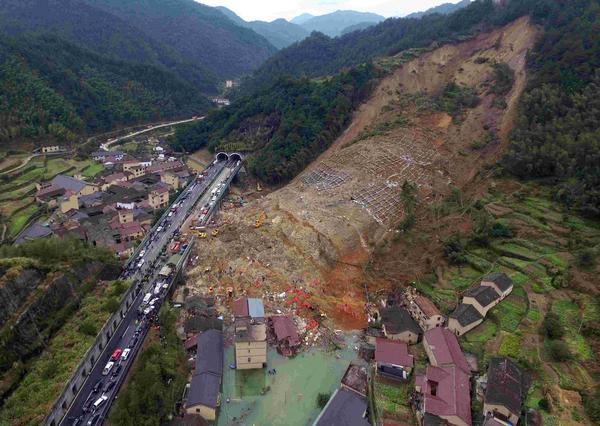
(256,308)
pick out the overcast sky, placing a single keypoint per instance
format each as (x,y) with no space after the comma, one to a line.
(268,10)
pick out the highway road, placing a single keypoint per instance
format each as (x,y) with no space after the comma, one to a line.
(102,389)
(105,146)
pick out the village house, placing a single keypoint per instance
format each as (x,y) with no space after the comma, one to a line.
(175,179)
(397,324)
(477,302)
(392,359)
(158,197)
(286,334)
(204,394)
(69,201)
(443,396)
(464,319)
(504,391)
(356,379)
(423,310)
(344,408)
(500,282)
(50,149)
(250,334)
(52,192)
(443,350)
(482,298)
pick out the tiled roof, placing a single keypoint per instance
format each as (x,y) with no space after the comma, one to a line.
(445,348)
(504,384)
(397,320)
(466,314)
(285,329)
(392,352)
(427,306)
(483,294)
(68,183)
(204,390)
(345,408)
(500,279)
(210,353)
(452,395)
(356,378)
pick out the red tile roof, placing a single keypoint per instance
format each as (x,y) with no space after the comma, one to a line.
(392,352)
(445,348)
(446,392)
(240,307)
(285,329)
(427,306)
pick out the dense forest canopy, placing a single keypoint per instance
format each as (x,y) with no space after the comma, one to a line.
(286,126)
(557,135)
(52,88)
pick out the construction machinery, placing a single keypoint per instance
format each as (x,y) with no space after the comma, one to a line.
(258,187)
(260,219)
(215,233)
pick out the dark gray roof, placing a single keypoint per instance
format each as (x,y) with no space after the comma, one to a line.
(466,314)
(397,320)
(33,232)
(67,182)
(84,200)
(210,353)
(433,420)
(500,279)
(483,294)
(345,408)
(504,384)
(204,390)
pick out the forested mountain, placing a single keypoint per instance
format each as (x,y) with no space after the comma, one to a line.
(333,24)
(320,55)
(443,9)
(50,88)
(200,33)
(104,33)
(285,126)
(280,33)
(557,135)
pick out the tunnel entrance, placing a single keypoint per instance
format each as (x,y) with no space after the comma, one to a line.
(235,157)
(221,156)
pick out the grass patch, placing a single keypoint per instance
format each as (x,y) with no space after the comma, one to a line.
(92,170)
(20,218)
(392,399)
(511,310)
(511,346)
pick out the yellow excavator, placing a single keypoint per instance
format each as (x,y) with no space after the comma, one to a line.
(215,233)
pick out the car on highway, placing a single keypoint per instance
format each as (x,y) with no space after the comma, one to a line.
(98,403)
(88,405)
(204,211)
(97,386)
(108,387)
(117,370)
(141,263)
(142,253)
(125,354)
(134,340)
(109,365)
(94,420)
(147,298)
(78,420)
(116,354)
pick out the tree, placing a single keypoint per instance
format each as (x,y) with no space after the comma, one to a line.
(559,351)
(552,327)
(322,399)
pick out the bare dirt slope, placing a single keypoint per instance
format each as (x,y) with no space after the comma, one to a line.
(322,228)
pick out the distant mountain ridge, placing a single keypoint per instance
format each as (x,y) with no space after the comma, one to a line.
(443,9)
(333,24)
(280,33)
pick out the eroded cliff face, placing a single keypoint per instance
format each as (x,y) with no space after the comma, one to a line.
(35,302)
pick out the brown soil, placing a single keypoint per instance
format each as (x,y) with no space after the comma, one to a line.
(324,240)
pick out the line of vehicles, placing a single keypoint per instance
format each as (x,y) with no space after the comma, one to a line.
(146,270)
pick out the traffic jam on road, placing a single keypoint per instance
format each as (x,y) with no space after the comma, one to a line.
(152,276)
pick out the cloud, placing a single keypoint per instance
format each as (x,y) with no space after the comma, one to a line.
(268,10)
